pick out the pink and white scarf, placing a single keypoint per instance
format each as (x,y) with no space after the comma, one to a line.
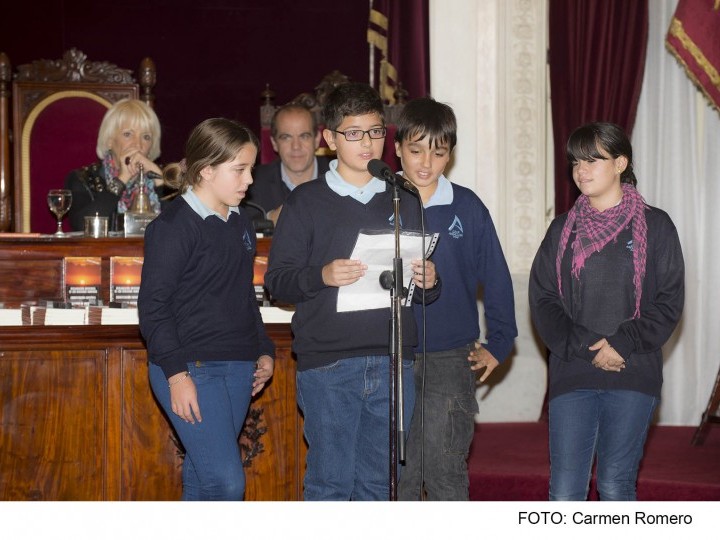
(594,230)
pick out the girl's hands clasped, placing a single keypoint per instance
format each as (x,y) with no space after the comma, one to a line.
(607,358)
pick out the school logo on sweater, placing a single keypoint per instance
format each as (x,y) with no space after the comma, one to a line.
(456,229)
(391,220)
(629,245)
(246,241)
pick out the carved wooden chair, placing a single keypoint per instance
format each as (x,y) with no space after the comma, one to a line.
(57,107)
(315,102)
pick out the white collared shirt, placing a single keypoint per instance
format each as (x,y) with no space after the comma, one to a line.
(443,193)
(286,178)
(200,209)
(345,189)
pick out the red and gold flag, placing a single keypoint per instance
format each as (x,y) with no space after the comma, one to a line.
(694,39)
(378,36)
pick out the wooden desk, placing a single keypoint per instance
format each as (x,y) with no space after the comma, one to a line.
(31,268)
(78,420)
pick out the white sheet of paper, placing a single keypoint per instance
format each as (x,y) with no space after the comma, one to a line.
(377,250)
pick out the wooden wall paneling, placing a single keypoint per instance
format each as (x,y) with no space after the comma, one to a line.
(274,473)
(151,461)
(52,425)
(25,281)
(112,451)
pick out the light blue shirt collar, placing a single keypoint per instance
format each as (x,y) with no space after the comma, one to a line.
(200,209)
(443,193)
(286,179)
(361,194)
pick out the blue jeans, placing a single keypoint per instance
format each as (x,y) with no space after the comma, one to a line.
(346,407)
(437,451)
(610,423)
(212,470)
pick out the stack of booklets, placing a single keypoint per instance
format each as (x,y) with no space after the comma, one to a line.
(52,313)
(10,316)
(112,315)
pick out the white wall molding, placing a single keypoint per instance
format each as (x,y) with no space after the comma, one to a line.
(488,61)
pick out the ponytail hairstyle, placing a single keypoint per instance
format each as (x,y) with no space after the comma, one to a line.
(212,142)
(586,142)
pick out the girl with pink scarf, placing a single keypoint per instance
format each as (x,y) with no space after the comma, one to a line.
(606,292)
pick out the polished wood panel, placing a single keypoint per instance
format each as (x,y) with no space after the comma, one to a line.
(150,457)
(31,268)
(78,420)
(51,426)
(282,445)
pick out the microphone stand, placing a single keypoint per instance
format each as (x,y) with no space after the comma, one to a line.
(393,280)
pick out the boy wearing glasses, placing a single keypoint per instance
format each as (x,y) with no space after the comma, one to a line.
(343,363)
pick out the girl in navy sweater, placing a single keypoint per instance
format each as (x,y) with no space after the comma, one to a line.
(207,346)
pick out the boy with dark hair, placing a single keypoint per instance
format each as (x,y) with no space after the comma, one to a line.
(343,362)
(468,254)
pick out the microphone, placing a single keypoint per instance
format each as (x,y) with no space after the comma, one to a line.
(261,223)
(380,169)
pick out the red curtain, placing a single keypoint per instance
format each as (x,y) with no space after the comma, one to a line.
(406,35)
(597,59)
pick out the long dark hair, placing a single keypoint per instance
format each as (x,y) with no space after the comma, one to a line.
(586,142)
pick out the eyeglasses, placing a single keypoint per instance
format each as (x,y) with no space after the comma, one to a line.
(359,134)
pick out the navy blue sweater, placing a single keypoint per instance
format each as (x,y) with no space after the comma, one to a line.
(316,227)
(601,304)
(268,189)
(197,300)
(468,254)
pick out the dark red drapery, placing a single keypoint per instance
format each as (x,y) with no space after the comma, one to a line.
(407,43)
(597,59)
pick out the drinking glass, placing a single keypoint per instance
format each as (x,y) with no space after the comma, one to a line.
(59,201)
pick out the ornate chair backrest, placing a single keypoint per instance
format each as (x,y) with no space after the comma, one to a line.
(57,109)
